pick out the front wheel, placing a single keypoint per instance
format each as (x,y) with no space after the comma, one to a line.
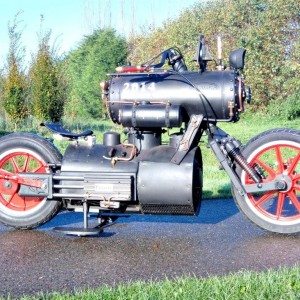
(25,153)
(274,152)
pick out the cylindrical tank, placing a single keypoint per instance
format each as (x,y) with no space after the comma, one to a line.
(167,188)
(111,138)
(215,94)
(150,115)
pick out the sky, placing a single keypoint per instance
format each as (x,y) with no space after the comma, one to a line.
(70,20)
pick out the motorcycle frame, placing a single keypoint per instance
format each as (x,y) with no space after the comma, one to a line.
(43,184)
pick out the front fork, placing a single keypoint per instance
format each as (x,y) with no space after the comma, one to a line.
(228,152)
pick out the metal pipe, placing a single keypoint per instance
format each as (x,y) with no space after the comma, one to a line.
(63,177)
(61,186)
(85,215)
(59,195)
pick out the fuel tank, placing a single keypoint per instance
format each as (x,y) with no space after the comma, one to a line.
(215,94)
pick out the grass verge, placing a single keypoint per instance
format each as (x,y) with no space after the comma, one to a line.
(273,284)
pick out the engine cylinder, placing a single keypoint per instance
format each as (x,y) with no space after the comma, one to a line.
(144,140)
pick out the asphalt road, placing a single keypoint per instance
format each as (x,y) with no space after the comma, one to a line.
(219,241)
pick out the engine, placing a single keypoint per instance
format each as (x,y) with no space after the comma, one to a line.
(174,189)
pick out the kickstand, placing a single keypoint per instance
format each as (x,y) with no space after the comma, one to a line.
(85,231)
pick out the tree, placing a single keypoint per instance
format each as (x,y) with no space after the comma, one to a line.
(268,29)
(97,55)
(47,90)
(14,81)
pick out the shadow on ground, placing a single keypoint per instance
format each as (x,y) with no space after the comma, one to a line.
(212,212)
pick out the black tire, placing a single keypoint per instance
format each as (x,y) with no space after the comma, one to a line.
(25,152)
(276,151)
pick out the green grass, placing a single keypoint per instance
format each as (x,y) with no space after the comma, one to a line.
(273,284)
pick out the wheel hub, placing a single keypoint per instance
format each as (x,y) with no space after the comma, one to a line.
(8,187)
(284,183)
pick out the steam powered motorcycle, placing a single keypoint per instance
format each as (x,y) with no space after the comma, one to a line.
(143,175)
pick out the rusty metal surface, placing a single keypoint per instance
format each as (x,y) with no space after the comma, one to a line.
(218,241)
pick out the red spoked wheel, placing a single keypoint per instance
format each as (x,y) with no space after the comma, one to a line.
(25,153)
(276,154)
(275,160)
(17,162)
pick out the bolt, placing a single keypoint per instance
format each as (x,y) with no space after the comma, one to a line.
(281,185)
(8,184)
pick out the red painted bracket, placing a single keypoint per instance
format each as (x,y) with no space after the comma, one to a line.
(19,179)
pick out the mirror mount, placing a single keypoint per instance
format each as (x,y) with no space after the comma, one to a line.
(202,54)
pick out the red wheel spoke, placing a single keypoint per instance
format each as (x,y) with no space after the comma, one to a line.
(267,168)
(264,198)
(279,205)
(294,163)
(297,187)
(9,200)
(17,202)
(279,159)
(25,166)
(295,200)
(15,165)
(39,168)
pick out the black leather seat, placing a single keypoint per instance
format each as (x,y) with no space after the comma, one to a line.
(59,129)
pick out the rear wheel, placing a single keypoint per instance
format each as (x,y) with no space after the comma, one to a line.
(25,153)
(275,153)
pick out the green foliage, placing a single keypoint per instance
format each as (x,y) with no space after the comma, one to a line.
(46,84)
(268,29)
(287,109)
(97,55)
(14,85)
(1,81)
